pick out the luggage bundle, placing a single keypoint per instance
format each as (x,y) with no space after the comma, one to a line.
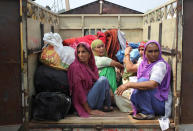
(50,106)
(52,100)
(54,54)
(48,79)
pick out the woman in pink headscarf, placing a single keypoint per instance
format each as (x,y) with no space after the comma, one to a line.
(90,94)
(153,83)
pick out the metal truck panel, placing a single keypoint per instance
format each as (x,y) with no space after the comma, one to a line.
(187,65)
(33,33)
(10,67)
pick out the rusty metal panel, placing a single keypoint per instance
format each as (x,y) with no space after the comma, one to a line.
(169,33)
(32,64)
(154,31)
(187,64)
(47,28)
(34,35)
(10,78)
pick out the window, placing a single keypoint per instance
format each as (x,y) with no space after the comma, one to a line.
(93,31)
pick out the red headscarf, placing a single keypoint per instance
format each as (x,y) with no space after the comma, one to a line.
(142,44)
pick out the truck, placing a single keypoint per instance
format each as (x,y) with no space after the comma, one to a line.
(23,24)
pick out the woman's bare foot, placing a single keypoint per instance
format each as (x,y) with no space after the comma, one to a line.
(107,108)
(97,113)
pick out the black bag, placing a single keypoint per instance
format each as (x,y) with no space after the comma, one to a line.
(50,106)
(48,79)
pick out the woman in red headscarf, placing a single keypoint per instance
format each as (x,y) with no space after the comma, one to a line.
(90,94)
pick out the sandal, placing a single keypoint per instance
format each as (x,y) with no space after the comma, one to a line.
(108,108)
(141,116)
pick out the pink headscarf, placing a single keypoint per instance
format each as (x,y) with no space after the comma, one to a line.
(81,79)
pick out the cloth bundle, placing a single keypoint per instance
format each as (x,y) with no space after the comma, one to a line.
(54,54)
(48,79)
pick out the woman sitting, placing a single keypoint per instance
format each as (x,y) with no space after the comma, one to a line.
(90,94)
(105,64)
(123,101)
(153,83)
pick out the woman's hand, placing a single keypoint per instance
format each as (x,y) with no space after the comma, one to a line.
(96,113)
(128,50)
(116,64)
(121,89)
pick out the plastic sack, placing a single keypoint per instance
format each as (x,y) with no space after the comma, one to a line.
(51,58)
(54,54)
(122,39)
(120,55)
(168,105)
(67,55)
(164,120)
(134,55)
(134,45)
(123,103)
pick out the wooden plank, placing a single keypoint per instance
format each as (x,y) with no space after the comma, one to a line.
(116,117)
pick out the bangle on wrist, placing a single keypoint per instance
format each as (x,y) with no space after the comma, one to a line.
(127,54)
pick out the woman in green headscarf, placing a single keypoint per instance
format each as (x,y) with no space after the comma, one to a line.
(106,66)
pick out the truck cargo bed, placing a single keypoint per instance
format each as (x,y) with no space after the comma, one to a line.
(115,119)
